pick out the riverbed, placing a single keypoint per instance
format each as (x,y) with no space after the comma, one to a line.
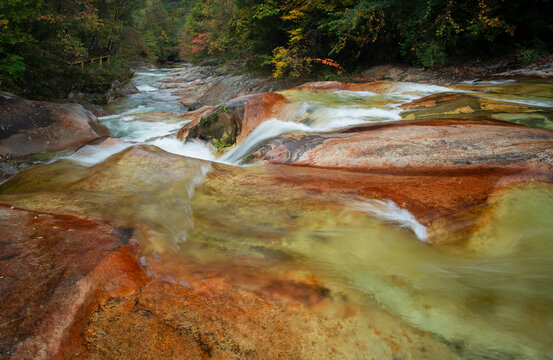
(337,273)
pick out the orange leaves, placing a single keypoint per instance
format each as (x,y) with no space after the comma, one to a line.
(332,63)
(199,43)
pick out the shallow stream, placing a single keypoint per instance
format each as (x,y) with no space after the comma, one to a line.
(487,296)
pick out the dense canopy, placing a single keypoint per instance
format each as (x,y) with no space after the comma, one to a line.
(40,38)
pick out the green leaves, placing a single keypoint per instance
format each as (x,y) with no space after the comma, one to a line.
(12,65)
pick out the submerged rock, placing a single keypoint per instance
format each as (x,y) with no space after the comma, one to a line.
(195,311)
(195,297)
(459,105)
(280,261)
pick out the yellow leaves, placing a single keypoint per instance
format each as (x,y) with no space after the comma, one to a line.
(164,36)
(293,15)
(4,24)
(287,61)
(296,35)
(280,60)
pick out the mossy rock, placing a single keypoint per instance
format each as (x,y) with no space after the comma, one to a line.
(457,106)
(222,126)
(438,105)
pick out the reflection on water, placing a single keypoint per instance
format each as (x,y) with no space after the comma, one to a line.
(487,297)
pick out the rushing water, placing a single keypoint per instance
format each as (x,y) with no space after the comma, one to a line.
(487,297)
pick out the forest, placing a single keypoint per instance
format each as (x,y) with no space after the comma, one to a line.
(321,39)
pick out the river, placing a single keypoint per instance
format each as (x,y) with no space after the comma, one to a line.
(486,296)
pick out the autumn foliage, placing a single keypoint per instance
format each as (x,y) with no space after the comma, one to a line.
(294,37)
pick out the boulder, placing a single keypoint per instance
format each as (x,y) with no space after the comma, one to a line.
(220,125)
(231,122)
(214,89)
(222,89)
(32,127)
(417,146)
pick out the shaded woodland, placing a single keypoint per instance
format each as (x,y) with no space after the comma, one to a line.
(322,39)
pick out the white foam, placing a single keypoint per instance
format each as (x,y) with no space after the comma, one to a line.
(194,149)
(318,120)
(488,82)
(423,89)
(525,102)
(357,93)
(326,119)
(323,118)
(135,110)
(146,88)
(267,130)
(389,211)
(141,131)
(146,73)
(94,154)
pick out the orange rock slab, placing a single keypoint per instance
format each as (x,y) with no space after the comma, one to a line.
(418,146)
(55,269)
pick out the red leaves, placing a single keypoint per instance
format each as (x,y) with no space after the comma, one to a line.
(332,63)
(199,43)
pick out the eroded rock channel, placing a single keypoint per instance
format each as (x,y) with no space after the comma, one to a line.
(381,220)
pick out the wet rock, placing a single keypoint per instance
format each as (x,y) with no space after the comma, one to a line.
(458,105)
(243,275)
(442,75)
(542,69)
(178,304)
(231,122)
(378,87)
(88,101)
(223,88)
(55,269)
(256,315)
(190,94)
(212,86)
(220,125)
(31,127)
(450,104)
(119,89)
(417,146)
(507,67)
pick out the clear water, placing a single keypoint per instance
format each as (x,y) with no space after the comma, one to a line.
(488,296)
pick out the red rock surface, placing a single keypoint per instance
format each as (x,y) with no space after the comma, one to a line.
(54,269)
(212,310)
(418,145)
(259,108)
(428,195)
(375,86)
(76,289)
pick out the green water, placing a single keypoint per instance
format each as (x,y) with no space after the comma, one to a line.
(487,296)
